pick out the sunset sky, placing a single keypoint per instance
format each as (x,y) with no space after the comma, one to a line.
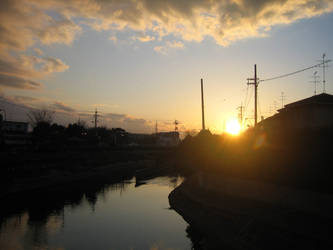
(138,61)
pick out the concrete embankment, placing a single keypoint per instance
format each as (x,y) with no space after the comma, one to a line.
(242,214)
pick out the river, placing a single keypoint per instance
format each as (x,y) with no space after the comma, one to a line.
(117,216)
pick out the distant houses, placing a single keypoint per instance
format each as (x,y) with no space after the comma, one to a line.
(46,136)
(312,113)
(168,139)
(14,133)
(162,139)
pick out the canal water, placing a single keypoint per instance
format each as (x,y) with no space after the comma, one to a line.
(125,215)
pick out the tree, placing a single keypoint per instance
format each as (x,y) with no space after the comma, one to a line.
(37,116)
(76,129)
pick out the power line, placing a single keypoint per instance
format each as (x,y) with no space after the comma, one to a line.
(295,72)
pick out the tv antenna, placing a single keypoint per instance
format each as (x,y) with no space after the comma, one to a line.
(315,81)
(324,66)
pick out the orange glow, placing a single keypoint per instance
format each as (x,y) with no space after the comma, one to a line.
(233,127)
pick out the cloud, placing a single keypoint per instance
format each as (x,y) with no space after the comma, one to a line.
(17,82)
(38,51)
(24,99)
(17,72)
(59,106)
(191,20)
(115,117)
(23,22)
(113,38)
(28,23)
(127,122)
(161,49)
(169,45)
(145,38)
(63,31)
(175,44)
(51,65)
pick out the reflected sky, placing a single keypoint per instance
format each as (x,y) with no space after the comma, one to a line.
(118,216)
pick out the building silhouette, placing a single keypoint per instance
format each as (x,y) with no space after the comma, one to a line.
(313,113)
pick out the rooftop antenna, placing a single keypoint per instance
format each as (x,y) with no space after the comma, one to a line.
(324,66)
(283,98)
(202,106)
(315,81)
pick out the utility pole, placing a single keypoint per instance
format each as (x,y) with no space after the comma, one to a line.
(283,97)
(95,121)
(254,81)
(176,125)
(95,118)
(156,128)
(240,115)
(202,106)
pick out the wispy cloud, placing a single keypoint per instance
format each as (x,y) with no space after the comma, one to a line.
(17,82)
(145,38)
(169,45)
(59,106)
(113,38)
(38,51)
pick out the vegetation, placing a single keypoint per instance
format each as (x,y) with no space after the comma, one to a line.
(36,116)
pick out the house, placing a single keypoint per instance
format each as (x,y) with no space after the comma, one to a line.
(15,127)
(313,112)
(168,138)
(14,133)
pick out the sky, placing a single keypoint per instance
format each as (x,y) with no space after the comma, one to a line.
(138,62)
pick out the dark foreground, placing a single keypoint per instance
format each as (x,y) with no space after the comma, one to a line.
(26,172)
(232,213)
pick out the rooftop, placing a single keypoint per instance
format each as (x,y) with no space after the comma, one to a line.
(316,99)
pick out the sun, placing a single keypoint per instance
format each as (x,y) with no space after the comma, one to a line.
(233,127)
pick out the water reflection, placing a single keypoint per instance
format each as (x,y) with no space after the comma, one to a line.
(102,215)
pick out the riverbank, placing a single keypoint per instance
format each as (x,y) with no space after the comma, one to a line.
(31,172)
(241,214)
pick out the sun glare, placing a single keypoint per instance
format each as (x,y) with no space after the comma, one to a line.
(233,127)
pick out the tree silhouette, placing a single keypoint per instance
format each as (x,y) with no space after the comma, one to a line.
(40,116)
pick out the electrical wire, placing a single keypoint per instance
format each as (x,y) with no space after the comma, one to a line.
(295,72)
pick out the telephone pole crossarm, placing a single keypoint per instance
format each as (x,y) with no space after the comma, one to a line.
(254,81)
